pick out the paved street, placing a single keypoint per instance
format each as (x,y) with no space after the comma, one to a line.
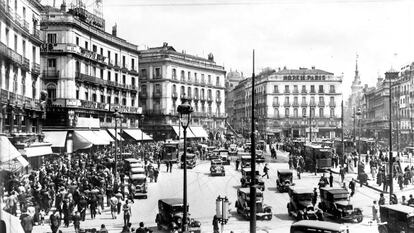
(203,190)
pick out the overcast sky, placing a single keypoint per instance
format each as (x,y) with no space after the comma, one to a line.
(292,33)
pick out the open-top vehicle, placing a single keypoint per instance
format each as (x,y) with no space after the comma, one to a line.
(284,180)
(396,218)
(246,178)
(140,183)
(243,204)
(334,203)
(300,206)
(170,216)
(217,168)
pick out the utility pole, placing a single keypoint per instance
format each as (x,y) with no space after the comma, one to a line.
(342,134)
(253,166)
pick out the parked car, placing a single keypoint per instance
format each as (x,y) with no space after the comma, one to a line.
(260,156)
(317,226)
(136,170)
(246,178)
(170,216)
(396,218)
(244,159)
(212,153)
(334,203)
(191,160)
(284,180)
(217,168)
(128,163)
(243,202)
(140,183)
(300,206)
(224,156)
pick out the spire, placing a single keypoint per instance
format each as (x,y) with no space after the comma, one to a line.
(356,84)
(356,66)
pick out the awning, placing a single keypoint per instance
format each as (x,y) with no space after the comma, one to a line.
(179,131)
(79,142)
(7,151)
(103,134)
(92,137)
(57,138)
(199,132)
(112,133)
(37,150)
(137,134)
(12,222)
(14,165)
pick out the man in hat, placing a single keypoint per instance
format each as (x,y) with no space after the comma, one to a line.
(76,221)
(26,221)
(54,221)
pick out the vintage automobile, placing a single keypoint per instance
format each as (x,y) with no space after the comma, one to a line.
(224,156)
(300,206)
(334,203)
(140,183)
(260,156)
(217,168)
(244,159)
(243,205)
(233,149)
(396,218)
(128,163)
(317,226)
(170,216)
(247,147)
(212,153)
(191,160)
(136,170)
(246,178)
(284,180)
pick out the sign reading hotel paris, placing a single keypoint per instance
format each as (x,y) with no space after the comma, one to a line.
(304,77)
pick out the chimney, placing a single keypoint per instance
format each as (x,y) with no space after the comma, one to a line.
(114,30)
(313,67)
(284,68)
(63,6)
(278,68)
(165,44)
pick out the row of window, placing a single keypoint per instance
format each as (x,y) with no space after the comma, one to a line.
(312,100)
(52,39)
(16,44)
(157,90)
(94,98)
(304,112)
(157,74)
(14,84)
(304,89)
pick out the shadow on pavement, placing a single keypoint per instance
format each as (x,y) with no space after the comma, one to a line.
(283,216)
(274,189)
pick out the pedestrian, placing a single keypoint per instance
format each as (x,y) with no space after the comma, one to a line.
(342,173)
(352,187)
(26,221)
(114,204)
(141,228)
(323,181)
(375,212)
(156,172)
(76,221)
(299,171)
(266,171)
(54,222)
(314,196)
(215,224)
(103,229)
(403,200)
(237,164)
(382,199)
(330,179)
(127,212)
(167,164)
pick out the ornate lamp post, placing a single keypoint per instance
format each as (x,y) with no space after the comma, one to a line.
(117,115)
(185,111)
(358,114)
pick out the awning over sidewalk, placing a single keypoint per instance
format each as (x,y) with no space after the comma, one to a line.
(57,138)
(92,137)
(137,134)
(38,150)
(10,157)
(103,134)
(179,131)
(112,133)
(199,132)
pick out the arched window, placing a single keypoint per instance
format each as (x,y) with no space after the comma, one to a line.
(295,112)
(51,91)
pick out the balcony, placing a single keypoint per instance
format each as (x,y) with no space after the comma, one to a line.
(332,104)
(132,71)
(50,74)
(156,94)
(36,33)
(312,104)
(287,92)
(202,98)
(321,104)
(304,104)
(10,54)
(295,91)
(295,104)
(303,91)
(332,92)
(209,99)
(174,95)
(124,69)
(26,64)
(157,76)
(195,98)
(143,95)
(26,25)
(89,79)
(19,100)
(276,104)
(286,104)
(218,99)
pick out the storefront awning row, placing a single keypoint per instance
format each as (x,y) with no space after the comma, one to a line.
(137,134)
(56,138)
(199,132)
(112,133)
(10,157)
(38,150)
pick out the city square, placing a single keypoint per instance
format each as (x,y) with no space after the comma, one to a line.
(206,116)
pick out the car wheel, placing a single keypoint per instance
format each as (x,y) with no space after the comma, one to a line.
(359,218)
(288,209)
(270,217)
(382,229)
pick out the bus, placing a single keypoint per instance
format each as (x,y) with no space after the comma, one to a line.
(349,147)
(317,157)
(170,150)
(365,144)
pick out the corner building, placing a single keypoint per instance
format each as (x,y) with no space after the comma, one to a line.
(87,72)
(168,78)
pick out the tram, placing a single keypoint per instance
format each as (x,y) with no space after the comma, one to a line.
(317,157)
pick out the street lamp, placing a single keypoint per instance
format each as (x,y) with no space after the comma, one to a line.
(222,210)
(185,111)
(358,114)
(117,115)
(304,124)
(141,119)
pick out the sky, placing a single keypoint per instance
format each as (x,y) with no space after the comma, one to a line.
(327,34)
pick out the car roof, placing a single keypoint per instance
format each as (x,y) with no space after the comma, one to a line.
(172,201)
(247,190)
(284,171)
(138,177)
(132,160)
(319,224)
(334,190)
(300,190)
(217,161)
(400,208)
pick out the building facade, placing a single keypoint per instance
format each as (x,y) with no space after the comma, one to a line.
(22,114)
(233,78)
(88,73)
(167,78)
(292,103)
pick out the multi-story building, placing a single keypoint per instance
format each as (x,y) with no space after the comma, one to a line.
(233,78)
(21,115)
(354,103)
(87,72)
(167,78)
(292,103)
